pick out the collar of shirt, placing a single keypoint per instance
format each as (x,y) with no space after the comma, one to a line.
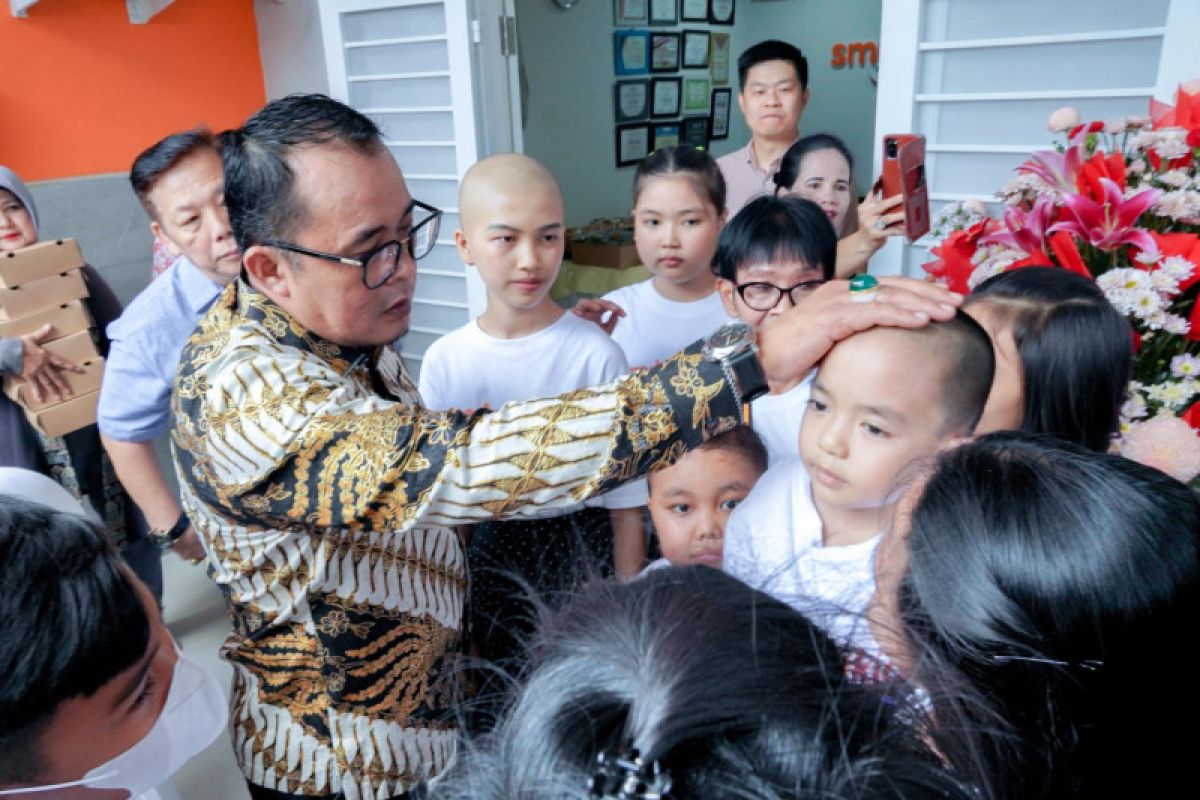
(199,290)
(752,159)
(283,328)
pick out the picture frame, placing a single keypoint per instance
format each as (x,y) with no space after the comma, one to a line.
(693,10)
(631,100)
(664,134)
(721,12)
(718,58)
(664,12)
(631,52)
(693,131)
(630,12)
(664,51)
(665,95)
(722,104)
(633,144)
(696,95)
(695,49)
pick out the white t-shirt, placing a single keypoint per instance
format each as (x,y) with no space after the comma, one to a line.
(469,369)
(655,328)
(776,418)
(773,543)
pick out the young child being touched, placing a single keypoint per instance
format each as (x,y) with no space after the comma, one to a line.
(881,399)
(691,500)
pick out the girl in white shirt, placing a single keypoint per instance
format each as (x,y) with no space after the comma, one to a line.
(678,212)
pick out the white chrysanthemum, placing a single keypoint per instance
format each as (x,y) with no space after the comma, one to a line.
(1134,407)
(1148,305)
(1148,257)
(1126,279)
(1185,365)
(1175,178)
(983,272)
(1172,143)
(1177,325)
(1154,320)
(1180,204)
(1164,282)
(1024,185)
(1171,394)
(1121,300)
(1136,167)
(1178,267)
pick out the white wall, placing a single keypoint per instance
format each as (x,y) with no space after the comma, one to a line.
(289,41)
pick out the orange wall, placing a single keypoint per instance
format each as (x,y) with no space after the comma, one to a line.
(83,91)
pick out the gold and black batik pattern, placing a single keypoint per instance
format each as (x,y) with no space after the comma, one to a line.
(325,495)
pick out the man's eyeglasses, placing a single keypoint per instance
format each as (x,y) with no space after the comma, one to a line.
(765,296)
(381,263)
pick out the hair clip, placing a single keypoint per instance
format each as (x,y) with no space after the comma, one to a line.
(1090,664)
(627,777)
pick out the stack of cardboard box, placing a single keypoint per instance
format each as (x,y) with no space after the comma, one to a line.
(43,284)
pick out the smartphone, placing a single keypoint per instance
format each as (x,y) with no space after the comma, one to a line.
(904,174)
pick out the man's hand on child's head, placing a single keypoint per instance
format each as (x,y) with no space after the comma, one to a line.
(800,337)
(604,313)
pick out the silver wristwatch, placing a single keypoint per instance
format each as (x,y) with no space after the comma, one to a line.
(734,346)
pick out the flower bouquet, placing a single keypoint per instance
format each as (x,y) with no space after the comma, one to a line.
(1117,202)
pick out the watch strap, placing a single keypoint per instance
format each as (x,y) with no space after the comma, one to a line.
(169,536)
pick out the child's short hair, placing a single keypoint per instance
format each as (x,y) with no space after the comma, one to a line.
(773,229)
(690,162)
(731,692)
(1076,351)
(970,362)
(744,441)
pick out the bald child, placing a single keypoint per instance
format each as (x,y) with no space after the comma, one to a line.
(524,345)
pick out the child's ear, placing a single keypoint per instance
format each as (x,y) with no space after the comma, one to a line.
(726,289)
(464,249)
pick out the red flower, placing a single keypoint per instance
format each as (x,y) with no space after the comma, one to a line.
(1100,166)
(1137,339)
(1184,114)
(1193,137)
(1109,222)
(1193,333)
(1085,128)
(1062,244)
(953,264)
(1185,245)
(1192,415)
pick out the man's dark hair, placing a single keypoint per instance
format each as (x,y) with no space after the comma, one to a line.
(162,156)
(71,620)
(258,179)
(772,50)
(775,229)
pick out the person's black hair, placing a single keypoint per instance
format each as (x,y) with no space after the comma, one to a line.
(1051,592)
(772,50)
(732,692)
(1076,351)
(258,178)
(162,156)
(71,620)
(743,440)
(686,161)
(789,170)
(774,229)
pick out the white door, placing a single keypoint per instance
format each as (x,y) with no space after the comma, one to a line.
(407,65)
(980,78)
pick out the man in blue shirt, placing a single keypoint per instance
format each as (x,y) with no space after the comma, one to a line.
(181,184)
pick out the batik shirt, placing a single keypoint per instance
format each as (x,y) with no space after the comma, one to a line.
(324,496)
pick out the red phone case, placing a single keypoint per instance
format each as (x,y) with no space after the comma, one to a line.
(904,174)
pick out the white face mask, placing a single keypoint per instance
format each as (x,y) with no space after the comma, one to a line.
(193,716)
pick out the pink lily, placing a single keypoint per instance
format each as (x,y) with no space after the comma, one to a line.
(1057,170)
(1111,224)
(1025,230)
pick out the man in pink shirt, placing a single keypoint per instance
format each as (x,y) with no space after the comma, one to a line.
(773,76)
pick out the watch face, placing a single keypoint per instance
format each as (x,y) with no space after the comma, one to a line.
(729,337)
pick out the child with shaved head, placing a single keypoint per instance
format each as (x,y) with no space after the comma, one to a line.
(523,346)
(881,399)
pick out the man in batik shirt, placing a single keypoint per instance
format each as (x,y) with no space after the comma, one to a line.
(325,495)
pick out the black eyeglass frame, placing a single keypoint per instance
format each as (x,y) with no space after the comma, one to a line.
(434,218)
(808,286)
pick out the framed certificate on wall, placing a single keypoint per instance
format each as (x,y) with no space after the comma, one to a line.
(695,49)
(718,58)
(722,101)
(633,144)
(631,52)
(720,12)
(695,95)
(664,52)
(693,10)
(666,134)
(629,12)
(664,12)
(664,97)
(631,100)
(694,131)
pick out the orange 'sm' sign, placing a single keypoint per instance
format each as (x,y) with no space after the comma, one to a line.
(845,55)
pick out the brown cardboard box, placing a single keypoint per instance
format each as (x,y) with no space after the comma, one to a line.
(64,418)
(614,256)
(39,260)
(40,294)
(20,391)
(66,319)
(78,347)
